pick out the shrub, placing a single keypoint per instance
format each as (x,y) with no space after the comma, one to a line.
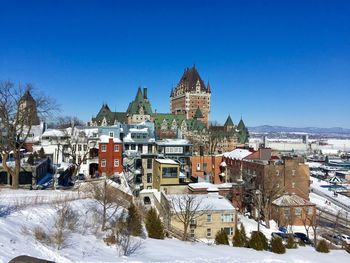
(30,159)
(258,241)
(133,221)
(154,225)
(39,234)
(221,238)
(240,238)
(322,247)
(290,242)
(42,153)
(277,246)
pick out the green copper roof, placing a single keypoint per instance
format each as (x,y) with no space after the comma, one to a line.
(140,101)
(198,114)
(229,121)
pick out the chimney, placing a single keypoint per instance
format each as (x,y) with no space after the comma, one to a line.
(145,93)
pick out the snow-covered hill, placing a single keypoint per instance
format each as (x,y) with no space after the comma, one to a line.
(86,244)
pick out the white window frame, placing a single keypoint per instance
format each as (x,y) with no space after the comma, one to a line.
(209,232)
(103,148)
(111,134)
(226,218)
(209,218)
(116,162)
(103,163)
(116,148)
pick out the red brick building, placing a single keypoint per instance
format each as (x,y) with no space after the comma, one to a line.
(110,158)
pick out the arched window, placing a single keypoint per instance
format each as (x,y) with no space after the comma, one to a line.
(146,200)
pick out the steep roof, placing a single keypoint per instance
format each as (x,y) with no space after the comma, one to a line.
(111,117)
(138,102)
(27,96)
(189,80)
(229,121)
(198,114)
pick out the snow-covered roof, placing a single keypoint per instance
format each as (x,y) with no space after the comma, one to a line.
(204,185)
(210,202)
(143,130)
(173,142)
(223,164)
(166,161)
(53,133)
(105,139)
(237,154)
(291,200)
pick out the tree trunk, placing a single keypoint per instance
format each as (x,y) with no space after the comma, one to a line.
(184,237)
(14,173)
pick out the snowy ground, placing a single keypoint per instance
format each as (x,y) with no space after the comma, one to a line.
(86,244)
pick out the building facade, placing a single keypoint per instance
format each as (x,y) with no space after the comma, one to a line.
(110,156)
(190,94)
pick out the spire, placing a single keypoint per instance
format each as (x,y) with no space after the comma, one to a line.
(229,121)
(198,114)
(139,95)
(208,87)
(171,92)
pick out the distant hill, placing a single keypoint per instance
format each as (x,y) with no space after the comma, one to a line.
(315,130)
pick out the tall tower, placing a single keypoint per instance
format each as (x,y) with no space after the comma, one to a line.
(190,94)
(28,109)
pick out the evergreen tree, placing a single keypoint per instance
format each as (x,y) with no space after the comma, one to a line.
(30,159)
(133,221)
(42,153)
(244,235)
(258,241)
(221,238)
(322,246)
(240,238)
(290,242)
(35,155)
(154,225)
(277,246)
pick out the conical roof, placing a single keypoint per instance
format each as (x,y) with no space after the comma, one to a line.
(229,121)
(189,79)
(198,114)
(27,96)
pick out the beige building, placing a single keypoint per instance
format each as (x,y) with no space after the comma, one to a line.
(213,213)
(166,172)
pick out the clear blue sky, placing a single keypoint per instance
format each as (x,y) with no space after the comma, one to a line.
(274,62)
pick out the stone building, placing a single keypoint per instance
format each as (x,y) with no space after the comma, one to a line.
(190,94)
(28,107)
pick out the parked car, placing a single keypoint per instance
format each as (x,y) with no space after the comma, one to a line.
(344,238)
(335,239)
(283,236)
(303,237)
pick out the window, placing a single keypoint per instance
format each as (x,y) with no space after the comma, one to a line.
(198,166)
(149,178)
(297,211)
(146,200)
(116,148)
(226,217)
(133,147)
(169,172)
(103,148)
(310,211)
(103,163)
(85,147)
(79,147)
(192,232)
(84,162)
(286,212)
(205,166)
(116,163)
(228,230)
(208,218)
(208,232)
(293,185)
(293,172)
(126,146)
(150,148)
(111,134)
(149,163)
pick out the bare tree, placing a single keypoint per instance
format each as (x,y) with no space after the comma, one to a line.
(105,196)
(17,117)
(186,209)
(63,122)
